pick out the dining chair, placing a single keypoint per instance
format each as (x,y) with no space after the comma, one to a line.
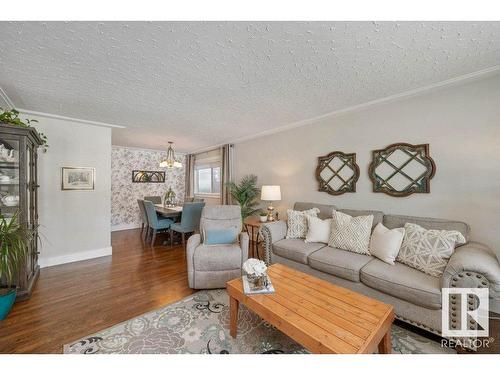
(144,217)
(155,223)
(154,199)
(190,221)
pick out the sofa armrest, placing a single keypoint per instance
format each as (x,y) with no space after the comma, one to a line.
(473,265)
(193,242)
(244,244)
(272,232)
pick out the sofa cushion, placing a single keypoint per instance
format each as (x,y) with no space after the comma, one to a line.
(385,243)
(428,250)
(337,262)
(325,210)
(297,222)
(296,249)
(318,230)
(396,221)
(403,282)
(351,233)
(378,216)
(217,257)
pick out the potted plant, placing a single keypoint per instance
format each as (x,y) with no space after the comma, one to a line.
(12,118)
(168,198)
(246,194)
(14,245)
(263,216)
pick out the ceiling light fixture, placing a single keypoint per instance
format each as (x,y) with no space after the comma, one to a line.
(170,161)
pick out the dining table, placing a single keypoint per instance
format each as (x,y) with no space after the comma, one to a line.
(171,211)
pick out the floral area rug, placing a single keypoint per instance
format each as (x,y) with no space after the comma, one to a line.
(199,324)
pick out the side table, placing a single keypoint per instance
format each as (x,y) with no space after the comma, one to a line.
(253,224)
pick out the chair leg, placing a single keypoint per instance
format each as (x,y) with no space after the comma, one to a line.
(171,238)
(142,229)
(184,240)
(154,237)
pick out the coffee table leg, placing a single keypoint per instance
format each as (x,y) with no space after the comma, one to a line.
(385,346)
(233,316)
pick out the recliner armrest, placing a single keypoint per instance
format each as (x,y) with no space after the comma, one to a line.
(473,265)
(271,233)
(193,242)
(244,244)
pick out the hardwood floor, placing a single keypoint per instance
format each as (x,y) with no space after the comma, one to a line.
(78,299)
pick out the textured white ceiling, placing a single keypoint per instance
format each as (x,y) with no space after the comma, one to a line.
(206,83)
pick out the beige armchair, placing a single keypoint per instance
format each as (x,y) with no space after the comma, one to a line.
(211,266)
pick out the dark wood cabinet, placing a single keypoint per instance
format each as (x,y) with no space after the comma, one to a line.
(19,191)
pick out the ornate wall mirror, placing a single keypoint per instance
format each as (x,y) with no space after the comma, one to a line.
(148,176)
(337,173)
(402,169)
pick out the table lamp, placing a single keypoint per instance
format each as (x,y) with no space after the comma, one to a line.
(270,193)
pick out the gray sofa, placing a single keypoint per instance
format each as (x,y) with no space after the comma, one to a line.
(415,295)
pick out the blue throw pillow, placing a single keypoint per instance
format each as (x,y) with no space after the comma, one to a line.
(220,236)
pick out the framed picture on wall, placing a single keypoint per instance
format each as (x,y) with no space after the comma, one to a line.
(148,176)
(77,178)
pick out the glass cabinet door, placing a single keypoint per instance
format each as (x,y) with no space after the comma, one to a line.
(10,179)
(9,175)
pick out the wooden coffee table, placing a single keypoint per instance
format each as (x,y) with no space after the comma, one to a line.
(322,317)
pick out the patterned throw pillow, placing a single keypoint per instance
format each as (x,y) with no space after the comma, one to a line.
(351,233)
(297,222)
(428,250)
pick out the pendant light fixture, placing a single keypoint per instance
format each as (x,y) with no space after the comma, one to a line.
(170,162)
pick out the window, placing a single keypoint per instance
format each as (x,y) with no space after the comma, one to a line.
(207,179)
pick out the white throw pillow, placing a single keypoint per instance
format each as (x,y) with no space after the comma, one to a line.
(351,233)
(318,230)
(385,243)
(297,222)
(428,250)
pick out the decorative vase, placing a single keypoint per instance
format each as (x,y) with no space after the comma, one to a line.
(6,302)
(263,219)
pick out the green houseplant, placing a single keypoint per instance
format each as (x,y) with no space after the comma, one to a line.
(14,245)
(168,198)
(12,118)
(246,194)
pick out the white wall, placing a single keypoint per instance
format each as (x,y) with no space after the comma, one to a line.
(461,124)
(74,225)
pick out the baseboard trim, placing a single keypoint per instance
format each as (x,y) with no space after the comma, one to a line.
(117,227)
(74,257)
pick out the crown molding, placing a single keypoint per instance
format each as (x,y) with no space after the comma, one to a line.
(470,77)
(6,98)
(66,118)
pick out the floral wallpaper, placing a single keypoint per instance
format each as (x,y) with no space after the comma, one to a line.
(124,193)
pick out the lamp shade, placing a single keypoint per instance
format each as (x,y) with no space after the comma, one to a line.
(270,193)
